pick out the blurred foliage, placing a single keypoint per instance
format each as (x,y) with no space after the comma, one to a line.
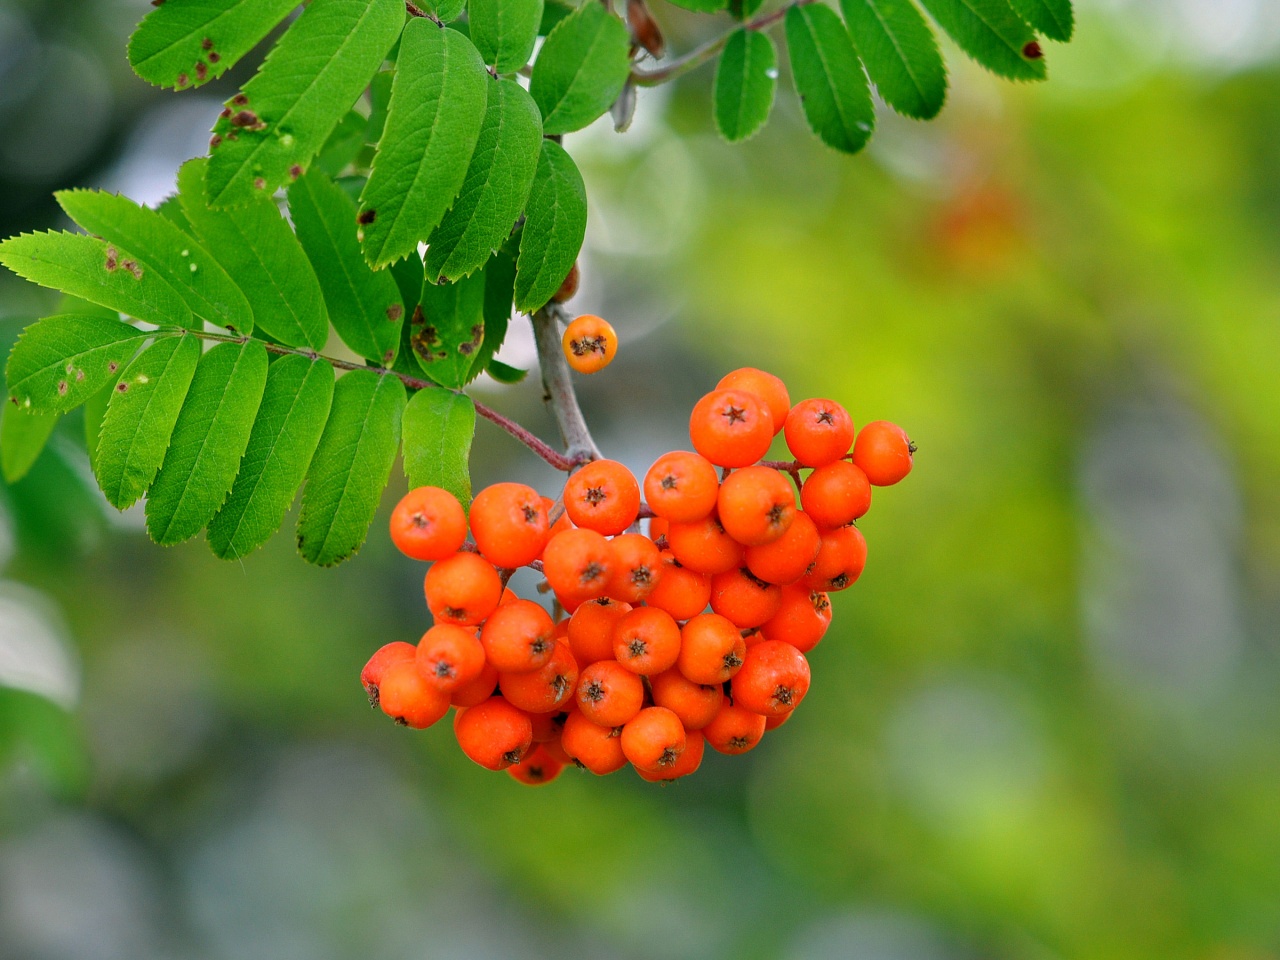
(1045,723)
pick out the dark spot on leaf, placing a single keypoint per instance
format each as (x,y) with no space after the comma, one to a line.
(113,259)
(295,171)
(239,100)
(248,120)
(366,217)
(214,57)
(259,183)
(395,312)
(132,267)
(472,345)
(113,366)
(121,387)
(226,112)
(62,388)
(215,141)
(202,72)
(206,44)
(183,80)
(388,357)
(157,3)
(79,375)
(418,317)
(1032,51)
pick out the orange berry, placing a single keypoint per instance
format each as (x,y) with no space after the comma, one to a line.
(538,767)
(770,390)
(774,679)
(704,547)
(884,452)
(509,522)
(787,558)
(609,694)
(681,486)
(546,726)
(547,689)
(518,637)
(756,505)
(836,494)
(802,618)
(597,748)
(449,657)
(681,592)
(494,733)
(478,690)
(602,496)
(646,641)
(743,598)
(387,654)
(462,589)
(688,762)
(774,722)
(658,527)
(578,564)
(711,649)
(694,703)
(637,567)
(591,629)
(570,285)
(734,729)
(562,522)
(731,428)
(589,343)
(818,432)
(840,560)
(428,524)
(554,747)
(409,698)
(653,739)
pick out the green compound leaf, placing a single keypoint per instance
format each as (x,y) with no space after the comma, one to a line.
(580,69)
(258,250)
(343,145)
(208,441)
(991,33)
(438,427)
(1053,18)
(496,187)
(60,362)
(295,406)
(746,79)
(554,226)
(269,132)
(140,418)
(504,372)
(900,53)
(97,271)
(95,409)
(504,31)
(186,43)
(197,277)
(351,466)
(829,79)
(23,435)
(437,107)
(445,11)
(499,289)
(452,329)
(365,305)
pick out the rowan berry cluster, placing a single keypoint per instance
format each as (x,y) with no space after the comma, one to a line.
(633,667)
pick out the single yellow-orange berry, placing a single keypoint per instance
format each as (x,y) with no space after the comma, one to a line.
(590,344)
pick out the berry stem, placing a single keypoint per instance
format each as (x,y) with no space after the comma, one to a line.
(700,55)
(558,389)
(539,446)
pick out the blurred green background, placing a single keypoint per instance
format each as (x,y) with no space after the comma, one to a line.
(1045,724)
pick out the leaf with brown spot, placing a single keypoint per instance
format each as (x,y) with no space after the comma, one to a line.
(453,330)
(60,362)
